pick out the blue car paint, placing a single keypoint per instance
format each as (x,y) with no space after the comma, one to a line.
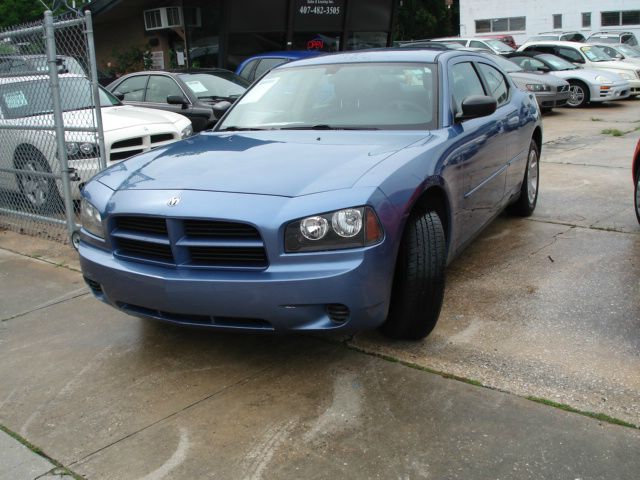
(270,178)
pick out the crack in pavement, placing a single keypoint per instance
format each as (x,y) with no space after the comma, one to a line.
(49,304)
(585,227)
(242,381)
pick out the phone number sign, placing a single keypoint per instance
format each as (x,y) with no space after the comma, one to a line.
(319,14)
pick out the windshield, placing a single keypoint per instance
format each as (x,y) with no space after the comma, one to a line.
(628,51)
(29,98)
(499,46)
(340,96)
(556,63)
(595,54)
(506,65)
(206,85)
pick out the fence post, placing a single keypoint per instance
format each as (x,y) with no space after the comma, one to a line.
(93,66)
(58,121)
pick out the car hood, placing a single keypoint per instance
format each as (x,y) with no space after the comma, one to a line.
(589,75)
(282,163)
(544,78)
(614,65)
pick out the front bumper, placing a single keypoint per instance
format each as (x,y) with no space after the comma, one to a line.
(345,290)
(298,298)
(617,91)
(552,99)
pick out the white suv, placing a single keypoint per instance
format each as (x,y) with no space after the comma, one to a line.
(588,56)
(25,102)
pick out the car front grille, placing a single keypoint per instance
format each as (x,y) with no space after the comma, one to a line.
(129,147)
(190,243)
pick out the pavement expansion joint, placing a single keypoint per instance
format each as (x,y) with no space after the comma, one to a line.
(46,305)
(583,227)
(220,391)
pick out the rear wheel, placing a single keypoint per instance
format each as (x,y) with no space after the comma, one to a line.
(579,94)
(526,203)
(418,286)
(637,195)
(39,191)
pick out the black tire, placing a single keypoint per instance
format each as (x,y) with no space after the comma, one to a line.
(40,193)
(580,94)
(418,285)
(528,199)
(636,195)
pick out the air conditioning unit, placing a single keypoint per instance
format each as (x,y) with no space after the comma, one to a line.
(160,18)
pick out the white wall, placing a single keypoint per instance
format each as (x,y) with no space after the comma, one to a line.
(539,14)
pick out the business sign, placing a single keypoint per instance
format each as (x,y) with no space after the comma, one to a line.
(319,15)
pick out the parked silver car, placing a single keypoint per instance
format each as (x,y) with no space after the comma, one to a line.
(621,52)
(550,91)
(586,84)
(489,44)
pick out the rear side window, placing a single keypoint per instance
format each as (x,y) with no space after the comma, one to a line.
(464,83)
(267,64)
(246,70)
(498,88)
(477,44)
(133,88)
(569,54)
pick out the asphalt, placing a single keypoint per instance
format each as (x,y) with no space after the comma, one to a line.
(546,307)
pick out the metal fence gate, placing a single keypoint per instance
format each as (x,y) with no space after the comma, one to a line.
(51,136)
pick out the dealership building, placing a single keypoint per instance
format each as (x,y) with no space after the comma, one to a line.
(221,33)
(524,18)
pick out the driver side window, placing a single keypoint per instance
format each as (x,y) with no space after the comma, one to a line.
(464,82)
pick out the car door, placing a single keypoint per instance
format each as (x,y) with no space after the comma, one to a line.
(480,150)
(159,88)
(132,89)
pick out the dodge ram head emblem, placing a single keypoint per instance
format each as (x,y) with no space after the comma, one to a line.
(173,201)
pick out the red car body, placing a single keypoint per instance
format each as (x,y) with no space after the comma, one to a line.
(636,179)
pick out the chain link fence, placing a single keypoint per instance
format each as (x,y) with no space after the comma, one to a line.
(51,136)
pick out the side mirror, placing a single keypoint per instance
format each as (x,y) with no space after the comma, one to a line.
(220,108)
(119,95)
(177,100)
(619,56)
(544,69)
(477,106)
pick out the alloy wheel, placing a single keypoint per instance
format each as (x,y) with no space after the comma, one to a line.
(576,96)
(532,177)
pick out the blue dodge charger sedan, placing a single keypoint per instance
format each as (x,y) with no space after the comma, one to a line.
(330,196)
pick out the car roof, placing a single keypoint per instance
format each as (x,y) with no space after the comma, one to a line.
(290,54)
(386,55)
(561,43)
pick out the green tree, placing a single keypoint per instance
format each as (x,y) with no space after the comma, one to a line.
(18,12)
(426,19)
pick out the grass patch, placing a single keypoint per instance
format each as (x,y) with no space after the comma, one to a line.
(59,470)
(598,416)
(614,132)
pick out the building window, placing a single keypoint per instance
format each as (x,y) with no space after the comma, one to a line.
(557,21)
(616,19)
(586,20)
(507,24)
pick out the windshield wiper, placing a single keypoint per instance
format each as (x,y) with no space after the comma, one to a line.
(323,126)
(235,128)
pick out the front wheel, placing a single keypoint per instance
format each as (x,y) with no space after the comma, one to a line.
(637,195)
(418,285)
(39,191)
(578,94)
(526,203)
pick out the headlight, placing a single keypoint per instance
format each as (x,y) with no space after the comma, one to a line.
(627,75)
(346,228)
(80,150)
(186,132)
(90,218)
(537,87)
(603,80)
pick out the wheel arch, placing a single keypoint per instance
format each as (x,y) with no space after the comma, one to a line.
(434,197)
(537,137)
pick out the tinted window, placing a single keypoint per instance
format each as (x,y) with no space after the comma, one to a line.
(570,54)
(528,64)
(464,83)
(133,88)
(498,88)
(205,85)
(160,88)
(246,70)
(477,44)
(267,64)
